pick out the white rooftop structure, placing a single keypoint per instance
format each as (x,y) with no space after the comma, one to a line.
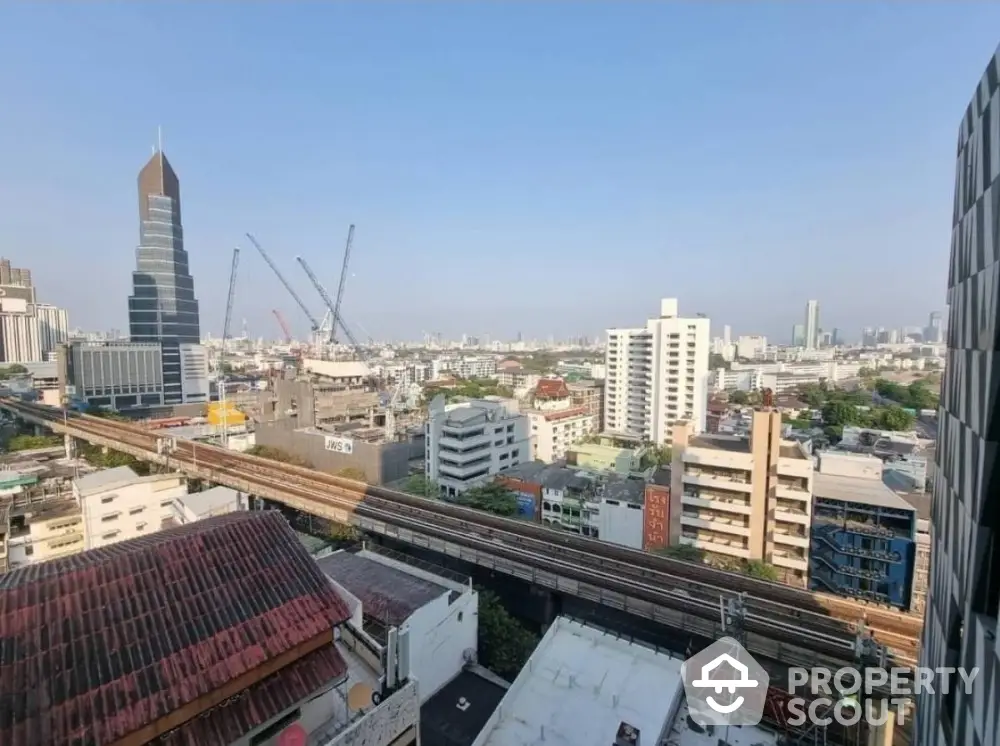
(579,685)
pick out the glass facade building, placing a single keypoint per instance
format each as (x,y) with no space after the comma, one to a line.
(961,623)
(162,308)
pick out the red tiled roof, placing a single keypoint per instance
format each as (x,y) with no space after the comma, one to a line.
(551,388)
(262,701)
(97,645)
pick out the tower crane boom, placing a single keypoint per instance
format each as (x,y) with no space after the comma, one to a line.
(329,304)
(343,281)
(281,278)
(283,324)
(229,304)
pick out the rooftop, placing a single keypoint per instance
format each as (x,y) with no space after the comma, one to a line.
(578,686)
(721,443)
(625,490)
(105,643)
(209,501)
(872,492)
(457,713)
(105,479)
(551,388)
(387,593)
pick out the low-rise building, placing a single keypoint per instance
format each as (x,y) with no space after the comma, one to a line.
(117,504)
(612,452)
(435,613)
(207,598)
(582,685)
(470,442)
(556,424)
(197,506)
(863,534)
(118,375)
(589,394)
(37,531)
(743,498)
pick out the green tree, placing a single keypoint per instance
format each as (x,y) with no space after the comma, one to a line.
(892,418)
(31,442)
(504,643)
(278,454)
(840,413)
(739,398)
(418,484)
(814,395)
(493,498)
(834,433)
(716,361)
(110,459)
(762,570)
(12,371)
(351,472)
(683,552)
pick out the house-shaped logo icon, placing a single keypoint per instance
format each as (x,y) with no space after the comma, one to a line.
(725,685)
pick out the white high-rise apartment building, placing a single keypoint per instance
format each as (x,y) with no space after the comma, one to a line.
(812,325)
(657,375)
(53,327)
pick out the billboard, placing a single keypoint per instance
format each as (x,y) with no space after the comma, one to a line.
(654,517)
(339,445)
(525,504)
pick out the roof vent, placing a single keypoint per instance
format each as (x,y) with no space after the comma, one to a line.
(628,735)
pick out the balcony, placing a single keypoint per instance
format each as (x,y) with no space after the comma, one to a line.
(730,550)
(464,473)
(790,493)
(788,515)
(463,444)
(707,479)
(713,503)
(790,539)
(790,561)
(854,572)
(715,523)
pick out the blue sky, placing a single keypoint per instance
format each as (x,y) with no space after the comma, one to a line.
(543,168)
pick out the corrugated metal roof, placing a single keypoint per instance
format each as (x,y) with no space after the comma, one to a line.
(387,594)
(99,644)
(106,479)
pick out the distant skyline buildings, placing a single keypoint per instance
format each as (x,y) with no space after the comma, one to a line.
(812,325)
(163,308)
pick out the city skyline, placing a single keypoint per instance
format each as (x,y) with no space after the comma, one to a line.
(424,210)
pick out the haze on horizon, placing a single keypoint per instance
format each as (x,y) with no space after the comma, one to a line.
(548,169)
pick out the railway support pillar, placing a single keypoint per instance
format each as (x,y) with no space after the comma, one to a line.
(70,445)
(39,430)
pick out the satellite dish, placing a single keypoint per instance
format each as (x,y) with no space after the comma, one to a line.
(359,696)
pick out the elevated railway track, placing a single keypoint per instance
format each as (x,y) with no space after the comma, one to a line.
(801,627)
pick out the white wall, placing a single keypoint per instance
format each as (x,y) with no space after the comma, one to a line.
(130,510)
(194,373)
(621,524)
(440,633)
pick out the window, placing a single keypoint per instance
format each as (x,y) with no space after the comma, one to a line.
(136,511)
(110,517)
(110,535)
(140,526)
(106,500)
(166,503)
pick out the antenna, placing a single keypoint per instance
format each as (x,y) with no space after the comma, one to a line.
(159,138)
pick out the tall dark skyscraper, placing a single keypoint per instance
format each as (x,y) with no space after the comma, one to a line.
(963,600)
(162,307)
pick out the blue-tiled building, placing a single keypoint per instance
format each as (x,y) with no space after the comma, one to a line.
(863,541)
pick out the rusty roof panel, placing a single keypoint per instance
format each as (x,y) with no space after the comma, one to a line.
(99,644)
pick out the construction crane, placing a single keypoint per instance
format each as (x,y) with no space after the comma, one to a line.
(329,304)
(283,324)
(314,324)
(222,353)
(343,281)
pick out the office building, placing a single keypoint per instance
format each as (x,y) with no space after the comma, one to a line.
(960,627)
(812,325)
(470,442)
(53,328)
(162,308)
(799,335)
(118,375)
(863,534)
(657,375)
(20,339)
(934,333)
(743,498)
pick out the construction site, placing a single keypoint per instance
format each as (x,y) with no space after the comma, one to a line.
(332,407)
